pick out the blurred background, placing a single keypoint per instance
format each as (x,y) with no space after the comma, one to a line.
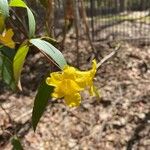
(84,30)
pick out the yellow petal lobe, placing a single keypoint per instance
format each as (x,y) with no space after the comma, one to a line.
(6,38)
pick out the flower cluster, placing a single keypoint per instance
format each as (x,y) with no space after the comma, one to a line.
(70,81)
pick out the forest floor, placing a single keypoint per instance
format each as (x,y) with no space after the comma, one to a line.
(118,120)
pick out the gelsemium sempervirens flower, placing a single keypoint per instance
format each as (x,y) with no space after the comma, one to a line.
(6,38)
(70,81)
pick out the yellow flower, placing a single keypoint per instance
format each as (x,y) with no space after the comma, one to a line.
(70,81)
(6,38)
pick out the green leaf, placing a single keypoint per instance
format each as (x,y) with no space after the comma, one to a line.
(50,40)
(16,144)
(31,19)
(17,3)
(18,62)
(7,71)
(4,8)
(8,52)
(41,101)
(50,50)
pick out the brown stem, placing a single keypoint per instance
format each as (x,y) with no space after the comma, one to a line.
(19,20)
(108,56)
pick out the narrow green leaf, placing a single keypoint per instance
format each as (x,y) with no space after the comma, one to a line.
(4,8)
(17,3)
(16,144)
(31,22)
(7,71)
(40,103)
(31,19)
(50,50)
(18,62)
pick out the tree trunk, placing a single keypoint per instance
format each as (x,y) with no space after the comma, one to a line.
(77,26)
(122,5)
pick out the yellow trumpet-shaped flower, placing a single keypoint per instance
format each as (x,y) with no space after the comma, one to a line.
(6,38)
(70,81)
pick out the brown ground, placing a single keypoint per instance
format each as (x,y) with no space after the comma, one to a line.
(119,120)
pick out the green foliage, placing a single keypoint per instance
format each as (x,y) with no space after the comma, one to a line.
(8,52)
(7,71)
(18,62)
(6,58)
(40,103)
(31,20)
(4,8)
(50,51)
(12,58)
(16,143)
(17,3)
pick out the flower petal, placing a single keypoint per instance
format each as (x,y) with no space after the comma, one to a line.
(69,72)
(6,38)
(93,91)
(85,78)
(73,100)
(57,93)
(55,79)
(69,87)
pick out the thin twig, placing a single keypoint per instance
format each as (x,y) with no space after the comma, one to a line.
(20,21)
(18,18)
(8,115)
(20,29)
(28,113)
(106,58)
(81,119)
